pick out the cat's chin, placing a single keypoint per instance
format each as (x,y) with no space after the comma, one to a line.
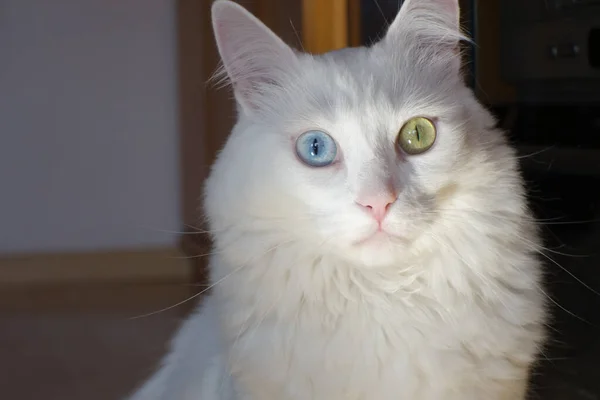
(375,239)
(376,250)
(373,259)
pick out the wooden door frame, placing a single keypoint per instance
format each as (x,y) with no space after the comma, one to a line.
(324,25)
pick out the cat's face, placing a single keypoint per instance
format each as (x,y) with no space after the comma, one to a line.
(354,153)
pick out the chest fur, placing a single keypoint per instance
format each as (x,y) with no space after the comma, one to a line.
(372,350)
(332,332)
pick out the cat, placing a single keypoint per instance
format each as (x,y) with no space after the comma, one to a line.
(372,239)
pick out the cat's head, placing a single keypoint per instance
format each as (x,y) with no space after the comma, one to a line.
(356,152)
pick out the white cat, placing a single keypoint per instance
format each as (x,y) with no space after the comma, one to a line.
(372,239)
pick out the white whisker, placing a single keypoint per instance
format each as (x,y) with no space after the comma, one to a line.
(191,297)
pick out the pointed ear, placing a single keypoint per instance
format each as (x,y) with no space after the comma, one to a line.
(253,56)
(432,26)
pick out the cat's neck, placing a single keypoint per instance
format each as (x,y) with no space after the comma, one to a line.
(283,278)
(288,278)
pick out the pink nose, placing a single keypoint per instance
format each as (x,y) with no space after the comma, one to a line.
(378,205)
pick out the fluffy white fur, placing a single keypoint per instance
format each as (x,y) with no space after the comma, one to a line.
(447,305)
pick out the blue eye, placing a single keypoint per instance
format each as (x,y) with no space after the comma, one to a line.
(316,148)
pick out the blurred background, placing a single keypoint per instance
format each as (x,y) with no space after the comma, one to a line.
(108,129)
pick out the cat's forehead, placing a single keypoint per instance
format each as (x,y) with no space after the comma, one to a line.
(354,66)
(380,89)
(363,77)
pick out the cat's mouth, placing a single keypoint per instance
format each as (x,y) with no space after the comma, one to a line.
(377,237)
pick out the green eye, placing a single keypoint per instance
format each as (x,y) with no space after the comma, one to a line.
(417,135)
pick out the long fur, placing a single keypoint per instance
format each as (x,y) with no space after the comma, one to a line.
(448,306)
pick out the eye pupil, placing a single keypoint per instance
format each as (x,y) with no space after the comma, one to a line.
(314,150)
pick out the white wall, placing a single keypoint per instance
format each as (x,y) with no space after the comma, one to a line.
(88,124)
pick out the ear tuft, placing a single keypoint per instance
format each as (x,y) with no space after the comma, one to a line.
(434,22)
(252,56)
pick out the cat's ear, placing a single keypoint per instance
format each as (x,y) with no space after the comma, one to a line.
(253,56)
(427,16)
(430,26)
